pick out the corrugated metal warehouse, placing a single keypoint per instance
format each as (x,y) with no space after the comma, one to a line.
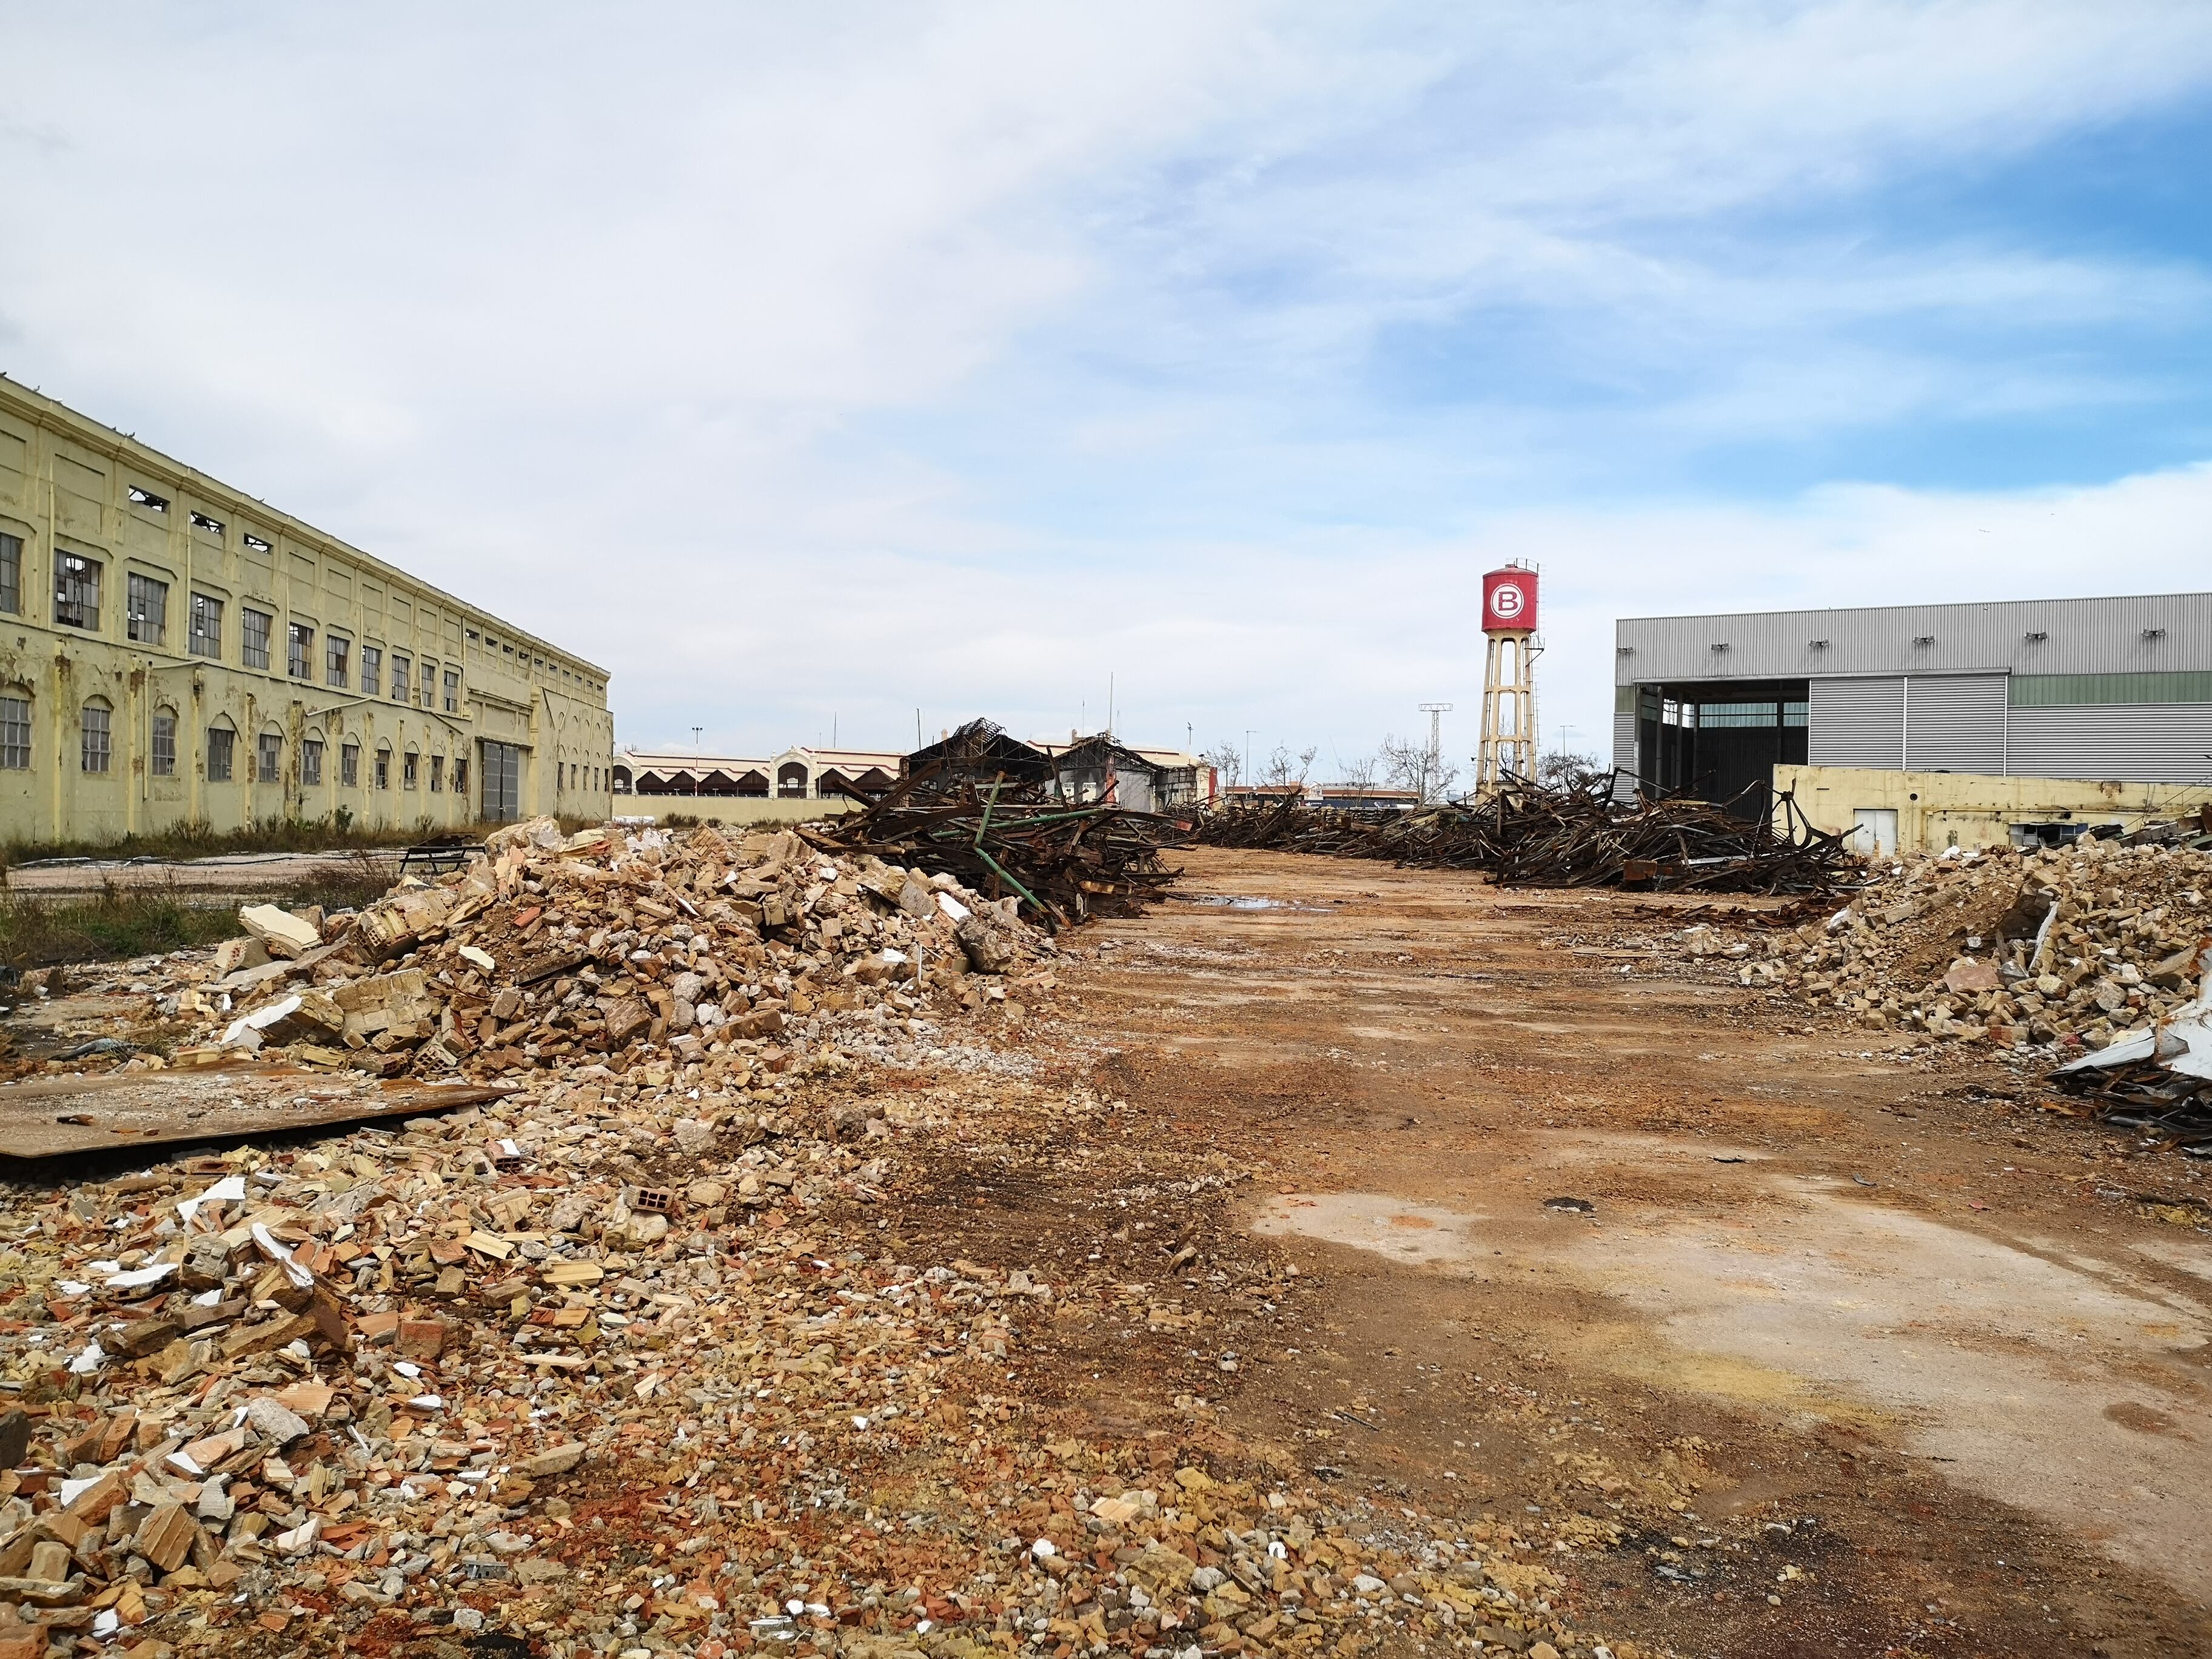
(2099,691)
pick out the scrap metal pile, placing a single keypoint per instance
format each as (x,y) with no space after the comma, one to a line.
(1014,839)
(1535,835)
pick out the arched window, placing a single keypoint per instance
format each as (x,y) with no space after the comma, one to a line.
(221,749)
(791,779)
(384,766)
(95,744)
(164,750)
(15,728)
(269,755)
(410,770)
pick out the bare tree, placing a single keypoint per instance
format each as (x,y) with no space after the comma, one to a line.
(1409,765)
(1359,772)
(1228,760)
(1561,771)
(1279,775)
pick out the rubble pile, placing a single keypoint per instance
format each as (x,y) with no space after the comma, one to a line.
(482,1375)
(2076,946)
(699,954)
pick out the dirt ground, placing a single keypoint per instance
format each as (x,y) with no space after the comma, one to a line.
(1840,1348)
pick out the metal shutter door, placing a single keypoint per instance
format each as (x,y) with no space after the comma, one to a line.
(501,769)
(1955,723)
(1856,722)
(2122,742)
(1624,743)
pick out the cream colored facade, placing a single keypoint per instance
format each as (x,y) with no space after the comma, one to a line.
(1935,809)
(140,591)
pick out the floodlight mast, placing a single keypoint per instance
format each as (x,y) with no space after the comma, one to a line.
(1433,770)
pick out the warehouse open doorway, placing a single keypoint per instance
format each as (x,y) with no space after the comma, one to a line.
(1720,740)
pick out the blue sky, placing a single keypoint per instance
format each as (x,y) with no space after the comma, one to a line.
(835,364)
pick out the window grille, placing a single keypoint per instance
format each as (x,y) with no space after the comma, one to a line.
(299,651)
(165,743)
(310,761)
(206,626)
(94,750)
(460,774)
(429,683)
(350,765)
(76,591)
(336,652)
(11,574)
(401,692)
(452,690)
(15,733)
(372,671)
(221,741)
(437,774)
(146,609)
(407,770)
(384,769)
(255,626)
(269,755)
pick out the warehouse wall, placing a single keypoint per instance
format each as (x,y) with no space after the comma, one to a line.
(72,489)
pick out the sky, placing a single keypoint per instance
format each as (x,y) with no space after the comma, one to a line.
(855,369)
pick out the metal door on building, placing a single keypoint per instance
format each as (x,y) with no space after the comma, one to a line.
(1873,831)
(500,767)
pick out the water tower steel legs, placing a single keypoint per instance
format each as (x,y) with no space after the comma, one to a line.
(1508,714)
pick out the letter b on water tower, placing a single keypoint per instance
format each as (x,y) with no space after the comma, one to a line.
(1509,601)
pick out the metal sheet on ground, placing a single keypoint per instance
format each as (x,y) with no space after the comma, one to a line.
(47,1117)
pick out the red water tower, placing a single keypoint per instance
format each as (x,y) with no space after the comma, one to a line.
(1508,681)
(1509,601)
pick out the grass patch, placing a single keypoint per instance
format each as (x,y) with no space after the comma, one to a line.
(116,925)
(122,922)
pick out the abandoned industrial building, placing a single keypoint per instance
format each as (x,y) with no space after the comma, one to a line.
(1922,725)
(206,660)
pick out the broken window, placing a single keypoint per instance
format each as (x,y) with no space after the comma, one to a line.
(350,765)
(76,591)
(165,743)
(407,763)
(335,654)
(372,671)
(11,574)
(310,761)
(94,749)
(213,526)
(429,682)
(146,609)
(401,691)
(437,774)
(299,651)
(269,758)
(220,740)
(255,647)
(14,733)
(148,499)
(460,774)
(452,690)
(384,769)
(255,543)
(205,629)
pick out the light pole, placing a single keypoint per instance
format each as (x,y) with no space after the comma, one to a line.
(695,730)
(1247,751)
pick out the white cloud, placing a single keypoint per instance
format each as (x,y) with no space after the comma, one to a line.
(800,361)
